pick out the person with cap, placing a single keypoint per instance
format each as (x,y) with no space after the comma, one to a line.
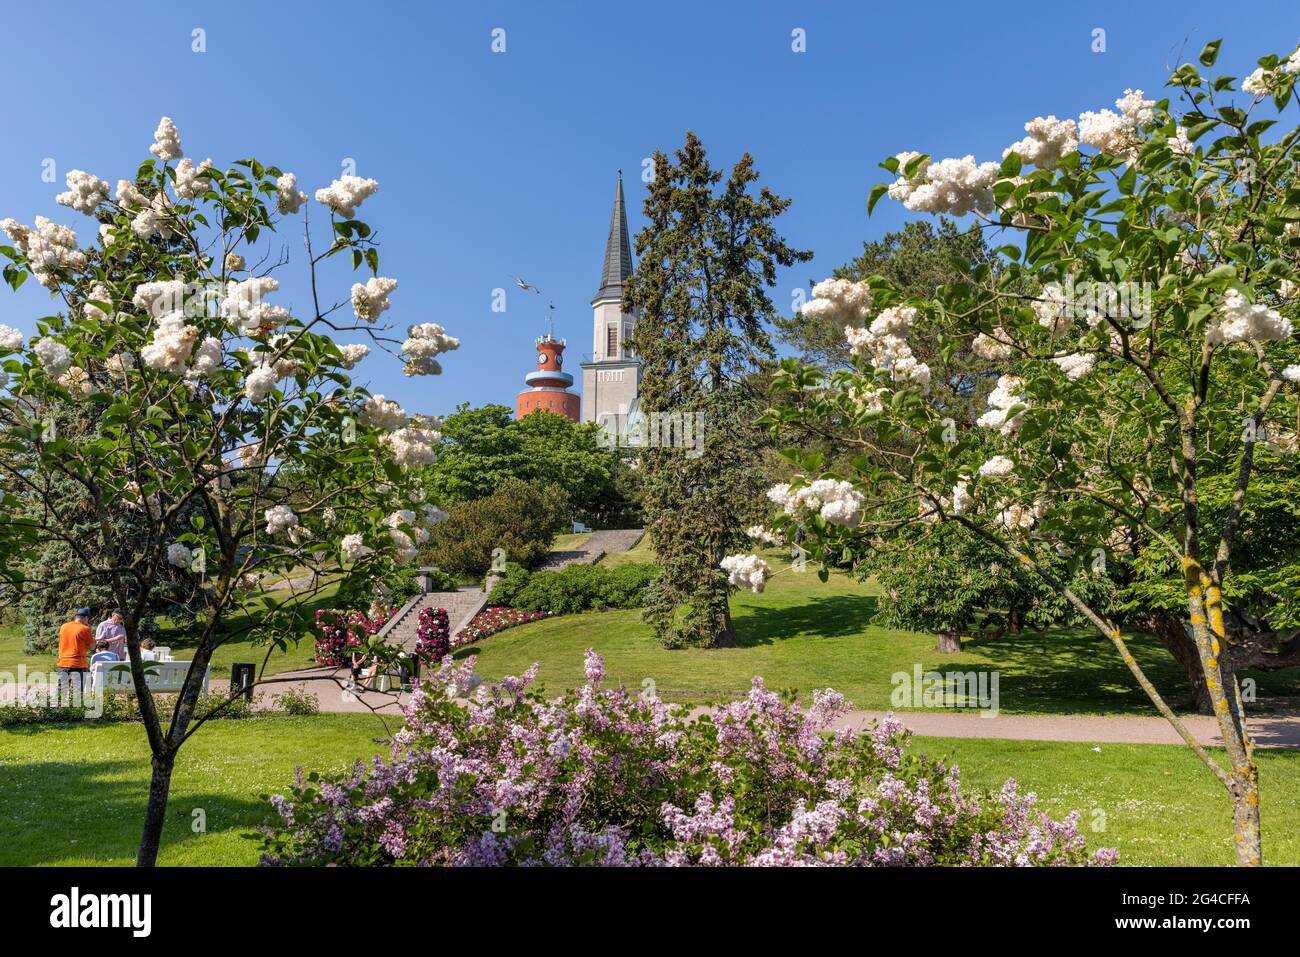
(113,630)
(75,642)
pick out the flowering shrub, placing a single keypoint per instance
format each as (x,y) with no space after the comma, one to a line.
(433,636)
(491,620)
(605,777)
(342,632)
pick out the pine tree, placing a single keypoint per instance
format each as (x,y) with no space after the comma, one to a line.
(707,258)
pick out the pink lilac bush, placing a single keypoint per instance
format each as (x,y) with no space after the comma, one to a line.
(601,776)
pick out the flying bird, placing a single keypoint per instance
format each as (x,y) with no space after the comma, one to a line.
(526,286)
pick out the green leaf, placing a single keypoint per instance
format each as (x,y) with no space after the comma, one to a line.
(1210,52)
(877,191)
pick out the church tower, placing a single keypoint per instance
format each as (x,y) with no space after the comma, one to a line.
(611,380)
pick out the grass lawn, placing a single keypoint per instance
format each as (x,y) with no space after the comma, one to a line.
(1161,807)
(75,795)
(570,541)
(804,634)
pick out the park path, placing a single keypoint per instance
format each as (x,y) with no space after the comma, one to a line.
(1280,730)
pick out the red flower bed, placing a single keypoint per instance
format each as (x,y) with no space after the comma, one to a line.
(491,620)
(432,636)
(342,632)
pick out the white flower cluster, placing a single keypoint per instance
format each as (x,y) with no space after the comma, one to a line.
(424,341)
(11,340)
(836,501)
(887,346)
(290,197)
(765,535)
(179,555)
(839,300)
(953,187)
(159,298)
(148,216)
(99,293)
(279,518)
(1117,133)
(233,262)
(49,247)
(1076,365)
(993,347)
(85,192)
(1290,373)
(749,571)
(1006,395)
(1048,141)
(353,548)
(867,399)
(998,466)
(54,355)
(1013,517)
(371,299)
(166,141)
(1263,82)
(173,341)
(77,381)
(1052,308)
(243,302)
(412,446)
(190,181)
(344,195)
(962,499)
(378,412)
(1241,321)
(353,353)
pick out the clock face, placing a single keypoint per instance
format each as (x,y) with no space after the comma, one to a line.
(541,357)
(559,360)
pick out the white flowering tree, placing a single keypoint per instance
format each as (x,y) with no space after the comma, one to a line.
(228,423)
(1136,341)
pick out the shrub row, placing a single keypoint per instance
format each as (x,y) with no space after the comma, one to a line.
(575,588)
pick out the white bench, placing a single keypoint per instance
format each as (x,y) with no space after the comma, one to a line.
(164,676)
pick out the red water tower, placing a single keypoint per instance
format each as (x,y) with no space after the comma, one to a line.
(548,385)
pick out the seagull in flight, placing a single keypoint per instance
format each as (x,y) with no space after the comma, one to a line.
(526,286)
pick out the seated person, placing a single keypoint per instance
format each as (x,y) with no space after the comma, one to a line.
(147,652)
(102,653)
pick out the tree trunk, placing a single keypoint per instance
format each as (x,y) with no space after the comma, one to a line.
(155,812)
(1017,619)
(1245,815)
(1172,633)
(949,643)
(726,636)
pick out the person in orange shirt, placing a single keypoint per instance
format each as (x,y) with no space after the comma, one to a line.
(75,641)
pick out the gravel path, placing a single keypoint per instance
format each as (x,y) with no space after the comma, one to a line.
(1281,730)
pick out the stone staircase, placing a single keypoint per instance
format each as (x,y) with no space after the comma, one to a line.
(461,605)
(596,547)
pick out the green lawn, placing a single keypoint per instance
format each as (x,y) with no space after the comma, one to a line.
(75,795)
(804,634)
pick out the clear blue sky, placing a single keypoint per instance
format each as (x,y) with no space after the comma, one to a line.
(492,165)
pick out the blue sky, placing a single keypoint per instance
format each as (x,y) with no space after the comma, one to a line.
(499,164)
